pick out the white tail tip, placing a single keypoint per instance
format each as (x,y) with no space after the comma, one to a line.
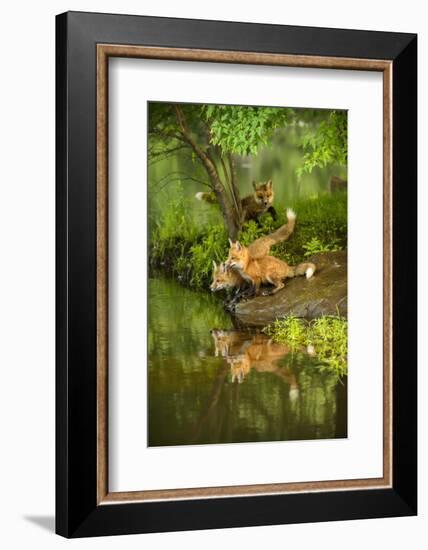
(309,272)
(199,196)
(310,349)
(290,213)
(293,394)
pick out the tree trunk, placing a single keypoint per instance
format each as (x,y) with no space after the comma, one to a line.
(228,214)
(230,220)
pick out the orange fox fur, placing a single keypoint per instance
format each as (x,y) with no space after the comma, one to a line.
(263,356)
(244,352)
(261,247)
(224,277)
(264,270)
(252,206)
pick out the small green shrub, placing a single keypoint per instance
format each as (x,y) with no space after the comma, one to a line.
(185,250)
(327,336)
(213,246)
(315,246)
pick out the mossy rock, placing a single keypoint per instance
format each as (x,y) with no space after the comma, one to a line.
(324,294)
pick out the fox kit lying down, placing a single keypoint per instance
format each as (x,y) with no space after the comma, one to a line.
(264,270)
(252,206)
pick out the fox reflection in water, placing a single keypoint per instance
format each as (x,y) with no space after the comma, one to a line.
(243,352)
(231,385)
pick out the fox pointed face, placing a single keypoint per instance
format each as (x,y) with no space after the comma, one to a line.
(223,278)
(263,193)
(238,256)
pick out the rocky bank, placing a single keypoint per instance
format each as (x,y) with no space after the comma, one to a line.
(324,294)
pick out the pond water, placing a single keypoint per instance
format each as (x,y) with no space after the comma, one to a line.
(212,383)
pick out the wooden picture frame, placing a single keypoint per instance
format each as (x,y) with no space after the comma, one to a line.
(84,43)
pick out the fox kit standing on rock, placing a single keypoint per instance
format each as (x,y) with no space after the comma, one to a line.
(252,206)
(225,277)
(264,270)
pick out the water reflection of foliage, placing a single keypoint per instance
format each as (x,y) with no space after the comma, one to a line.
(191,395)
(193,311)
(317,405)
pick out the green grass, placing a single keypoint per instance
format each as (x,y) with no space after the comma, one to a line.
(327,336)
(181,248)
(321,226)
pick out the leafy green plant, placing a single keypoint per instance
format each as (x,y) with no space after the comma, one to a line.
(176,220)
(241,130)
(252,230)
(329,337)
(213,246)
(186,250)
(314,246)
(326,143)
(326,337)
(321,221)
(214,135)
(290,330)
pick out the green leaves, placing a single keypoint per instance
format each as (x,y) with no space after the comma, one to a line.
(325,143)
(316,245)
(241,130)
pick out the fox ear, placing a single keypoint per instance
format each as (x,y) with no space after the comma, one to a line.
(230,242)
(223,267)
(238,245)
(214,265)
(255,186)
(269,184)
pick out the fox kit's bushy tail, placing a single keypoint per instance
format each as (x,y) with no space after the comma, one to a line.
(261,247)
(286,230)
(207,197)
(306,268)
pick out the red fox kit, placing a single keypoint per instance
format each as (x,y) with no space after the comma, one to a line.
(252,206)
(264,270)
(224,277)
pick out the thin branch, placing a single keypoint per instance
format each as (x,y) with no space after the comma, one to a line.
(228,179)
(157,156)
(234,185)
(183,175)
(223,165)
(187,135)
(178,176)
(164,134)
(211,169)
(210,156)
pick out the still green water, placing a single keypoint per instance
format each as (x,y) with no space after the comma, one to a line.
(211,383)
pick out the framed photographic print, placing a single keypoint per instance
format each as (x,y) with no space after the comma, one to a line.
(236,274)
